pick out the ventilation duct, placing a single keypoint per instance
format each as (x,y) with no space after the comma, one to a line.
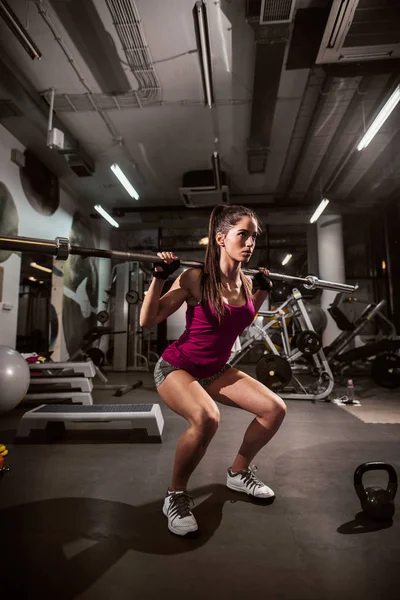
(276,11)
(359,31)
(199,188)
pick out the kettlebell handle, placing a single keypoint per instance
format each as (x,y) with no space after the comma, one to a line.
(375,466)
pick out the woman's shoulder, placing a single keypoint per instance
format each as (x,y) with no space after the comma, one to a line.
(191,281)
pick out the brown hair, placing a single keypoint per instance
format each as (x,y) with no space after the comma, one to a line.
(222,219)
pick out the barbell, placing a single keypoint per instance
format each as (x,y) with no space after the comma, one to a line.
(61,249)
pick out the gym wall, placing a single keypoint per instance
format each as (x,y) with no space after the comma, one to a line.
(21,214)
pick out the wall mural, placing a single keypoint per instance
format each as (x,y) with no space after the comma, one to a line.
(8,218)
(40,185)
(81,287)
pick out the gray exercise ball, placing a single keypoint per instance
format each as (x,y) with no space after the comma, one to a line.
(14,378)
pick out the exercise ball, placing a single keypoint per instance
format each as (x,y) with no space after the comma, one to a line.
(280,292)
(318,317)
(14,378)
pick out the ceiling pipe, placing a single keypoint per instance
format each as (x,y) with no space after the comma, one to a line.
(325,89)
(337,136)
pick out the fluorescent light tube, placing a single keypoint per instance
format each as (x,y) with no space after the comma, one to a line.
(286,259)
(124,181)
(106,216)
(41,268)
(379,120)
(205,58)
(324,203)
(12,21)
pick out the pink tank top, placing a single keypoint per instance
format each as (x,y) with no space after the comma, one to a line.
(205,345)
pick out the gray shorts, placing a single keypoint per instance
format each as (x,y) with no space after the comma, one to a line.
(163,368)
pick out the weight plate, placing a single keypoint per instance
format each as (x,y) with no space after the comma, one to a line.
(385,370)
(274,371)
(103,316)
(96,356)
(132,297)
(308,342)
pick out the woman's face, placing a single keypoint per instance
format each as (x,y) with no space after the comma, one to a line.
(240,241)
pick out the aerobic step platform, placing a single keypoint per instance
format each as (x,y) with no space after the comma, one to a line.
(82,384)
(95,417)
(86,369)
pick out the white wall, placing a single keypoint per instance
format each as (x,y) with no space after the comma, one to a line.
(33,224)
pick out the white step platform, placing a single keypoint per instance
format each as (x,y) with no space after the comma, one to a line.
(81,383)
(87,368)
(75,397)
(98,417)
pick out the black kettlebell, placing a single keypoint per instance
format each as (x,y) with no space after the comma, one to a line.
(376,502)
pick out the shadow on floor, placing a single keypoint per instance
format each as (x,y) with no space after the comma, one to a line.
(59,547)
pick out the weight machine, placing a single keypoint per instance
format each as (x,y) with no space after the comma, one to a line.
(381,355)
(301,353)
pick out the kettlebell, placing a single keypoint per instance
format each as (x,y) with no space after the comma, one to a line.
(376,502)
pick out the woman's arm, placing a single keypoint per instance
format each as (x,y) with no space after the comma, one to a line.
(264,287)
(156,309)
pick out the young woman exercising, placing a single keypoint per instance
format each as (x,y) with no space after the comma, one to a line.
(193,374)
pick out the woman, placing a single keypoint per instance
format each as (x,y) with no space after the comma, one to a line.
(193,374)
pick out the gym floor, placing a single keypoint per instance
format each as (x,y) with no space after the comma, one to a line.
(83,520)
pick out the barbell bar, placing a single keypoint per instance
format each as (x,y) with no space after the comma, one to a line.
(61,249)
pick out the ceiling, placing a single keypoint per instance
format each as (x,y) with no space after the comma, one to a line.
(290,105)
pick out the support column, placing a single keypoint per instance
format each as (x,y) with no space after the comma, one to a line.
(331,265)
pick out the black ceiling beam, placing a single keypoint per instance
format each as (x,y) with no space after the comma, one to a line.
(337,136)
(352,156)
(270,52)
(325,88)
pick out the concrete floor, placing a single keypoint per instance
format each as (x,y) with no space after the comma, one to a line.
(84,520)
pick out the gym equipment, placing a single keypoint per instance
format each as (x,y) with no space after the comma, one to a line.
(62,249)
(132,297)
(84,369)
(376,502)
(55,419)
(283,373)
(308,342)
(103,317)
(14,378)
(83,384)
(274,371)
(74,397)
(386,369)
(3,469)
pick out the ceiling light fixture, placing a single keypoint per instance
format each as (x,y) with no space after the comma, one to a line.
(203,43)
(124,181)
(13,23)
(380,118)
(41,268)
(286,259)
(32,279)
(203,241)
(106,216)
(322,206)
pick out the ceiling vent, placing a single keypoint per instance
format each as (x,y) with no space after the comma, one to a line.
(198,189)
(276,11)
(361,31)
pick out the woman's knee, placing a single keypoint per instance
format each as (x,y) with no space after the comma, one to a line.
(206,420)
(274,407)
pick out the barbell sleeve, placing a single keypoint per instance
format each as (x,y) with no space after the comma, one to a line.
(61,249)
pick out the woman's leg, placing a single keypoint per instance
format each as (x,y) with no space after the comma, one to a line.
(235,388)
(185,396)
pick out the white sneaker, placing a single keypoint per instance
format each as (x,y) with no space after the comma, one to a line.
(247,482)
(177,507)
